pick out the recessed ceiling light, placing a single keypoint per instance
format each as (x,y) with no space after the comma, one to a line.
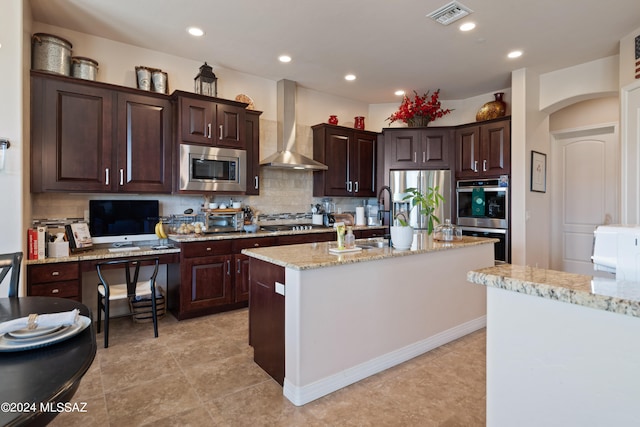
(194,31)
(467,26)
(515,54)
(350,77)
(399,92)
(284,58)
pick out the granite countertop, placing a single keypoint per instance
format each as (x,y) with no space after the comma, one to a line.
(588,291)
(180,238)
(103,253)
(147,250)
(309,256)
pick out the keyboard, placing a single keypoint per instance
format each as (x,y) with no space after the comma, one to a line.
(124,249)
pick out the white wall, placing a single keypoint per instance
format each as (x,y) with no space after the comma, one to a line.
(11,117)
(561,88)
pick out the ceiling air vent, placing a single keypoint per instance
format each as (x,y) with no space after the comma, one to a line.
(449,13)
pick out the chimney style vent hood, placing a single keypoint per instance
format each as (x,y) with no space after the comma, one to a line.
(286,157)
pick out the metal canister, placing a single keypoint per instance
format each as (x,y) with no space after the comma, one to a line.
(51,53)
(84,68)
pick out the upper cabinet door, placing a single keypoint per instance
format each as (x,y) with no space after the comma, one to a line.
(144,144)
(496,144)
(402,146)
(468,151)
(351,157)
(337,149)
(484,151)
(363,161)
(230,126)
(203,121)
(71,136)
(197,118)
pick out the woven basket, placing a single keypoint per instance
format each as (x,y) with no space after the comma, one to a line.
(141,308)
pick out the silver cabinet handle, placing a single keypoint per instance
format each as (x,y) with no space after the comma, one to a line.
(415,157)
(475,166)
(424,157)
(356,187)
(484,165)
(228,267)
(106,176)
(208,249)
(55,291)
(121,176)
(220,132)
(238,264)
(256,186)
(55,273)
(349,186)
(209,130)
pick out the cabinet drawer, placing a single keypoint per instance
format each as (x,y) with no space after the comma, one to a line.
(64,289)
(240,244)
(200,249)
(53,272)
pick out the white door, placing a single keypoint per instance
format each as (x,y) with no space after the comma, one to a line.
(584,181)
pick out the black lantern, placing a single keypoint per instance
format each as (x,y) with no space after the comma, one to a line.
(206,83)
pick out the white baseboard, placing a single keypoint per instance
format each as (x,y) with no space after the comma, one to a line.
(305,394)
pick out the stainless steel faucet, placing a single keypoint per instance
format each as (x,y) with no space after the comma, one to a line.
(381,203)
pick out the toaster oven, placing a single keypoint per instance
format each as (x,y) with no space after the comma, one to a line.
(224,220)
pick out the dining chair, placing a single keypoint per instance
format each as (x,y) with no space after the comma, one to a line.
(131,290)
(11,262)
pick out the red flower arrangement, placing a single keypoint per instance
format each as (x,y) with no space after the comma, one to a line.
(419,110)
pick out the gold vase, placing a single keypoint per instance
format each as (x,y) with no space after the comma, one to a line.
(493,109)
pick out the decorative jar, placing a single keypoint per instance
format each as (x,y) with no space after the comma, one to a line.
(358,122)
(492,110)
(333,120)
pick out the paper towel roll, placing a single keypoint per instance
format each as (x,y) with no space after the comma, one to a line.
(360,215)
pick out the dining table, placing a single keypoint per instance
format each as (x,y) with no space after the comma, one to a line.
(39,378)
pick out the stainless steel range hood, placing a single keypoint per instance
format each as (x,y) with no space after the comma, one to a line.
(286,157)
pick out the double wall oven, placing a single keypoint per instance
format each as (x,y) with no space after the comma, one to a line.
(483,211)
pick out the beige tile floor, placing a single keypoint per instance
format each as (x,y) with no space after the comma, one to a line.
(200,372)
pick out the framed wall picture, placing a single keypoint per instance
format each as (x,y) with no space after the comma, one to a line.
(538,172)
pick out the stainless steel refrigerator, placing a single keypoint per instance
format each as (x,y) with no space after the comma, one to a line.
(399,181)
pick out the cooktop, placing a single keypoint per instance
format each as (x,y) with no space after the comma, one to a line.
(287,227)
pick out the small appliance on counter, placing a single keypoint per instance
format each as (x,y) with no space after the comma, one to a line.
(223,220)
(616,250)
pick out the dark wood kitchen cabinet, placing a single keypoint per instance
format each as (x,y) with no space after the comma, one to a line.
(252,134)
(94,137)
(350,155)
(484,150)
(241,264)
(62,280)
(210,121)
(418,148)
(266,317)
(205,279)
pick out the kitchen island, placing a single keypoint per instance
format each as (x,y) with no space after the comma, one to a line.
(562,349)
(320,321)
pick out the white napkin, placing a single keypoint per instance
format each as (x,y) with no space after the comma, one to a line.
(66,318)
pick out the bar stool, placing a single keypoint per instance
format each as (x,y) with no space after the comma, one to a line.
(130,290)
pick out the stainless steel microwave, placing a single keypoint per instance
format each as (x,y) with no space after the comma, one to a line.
(205,168)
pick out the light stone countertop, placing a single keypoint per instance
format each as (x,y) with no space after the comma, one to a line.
(260,233)
(309,256)
(103,253)
(588,291)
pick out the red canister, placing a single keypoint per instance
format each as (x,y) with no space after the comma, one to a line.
(358,122)
(333,120)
